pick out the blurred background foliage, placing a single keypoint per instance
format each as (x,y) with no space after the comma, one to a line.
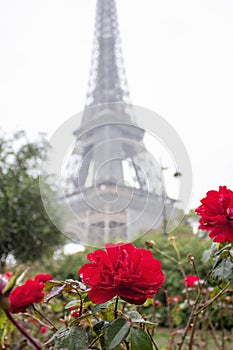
(26,233)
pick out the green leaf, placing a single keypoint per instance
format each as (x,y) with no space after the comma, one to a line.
(224,270)
(116,332)
(137,318)
(219,250)
(99,307)
(98,327)
(3,319)
(140,340)
(107,314)
(206,256)
(8,288)
(73,338)
(83,317)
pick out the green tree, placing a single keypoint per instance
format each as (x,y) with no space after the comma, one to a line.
(26,232)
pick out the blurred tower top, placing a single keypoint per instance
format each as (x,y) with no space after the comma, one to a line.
(107,80)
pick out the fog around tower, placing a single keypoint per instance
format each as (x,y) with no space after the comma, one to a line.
(178,60)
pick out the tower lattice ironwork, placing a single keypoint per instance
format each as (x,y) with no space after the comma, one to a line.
(112,191)
(107,82)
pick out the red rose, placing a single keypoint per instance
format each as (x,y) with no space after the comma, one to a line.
(216,214)
(190,280)
(76,314)
(43,277)
(43,330)
(8,275)
(123,270)
(21,297)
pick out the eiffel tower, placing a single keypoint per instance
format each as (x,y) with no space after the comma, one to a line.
(117,191)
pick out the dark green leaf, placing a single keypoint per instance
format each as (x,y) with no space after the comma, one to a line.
(116,332)
(224,270)
(140,340)
(73,338)
(98,327)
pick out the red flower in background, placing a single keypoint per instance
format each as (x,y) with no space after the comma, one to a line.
(43,330)
(174,299)
(190,280)
(216,213)
(123,270)
(8,275)
(21,297)
(43,277)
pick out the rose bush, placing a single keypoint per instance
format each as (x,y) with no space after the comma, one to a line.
(122,270)
(101,311)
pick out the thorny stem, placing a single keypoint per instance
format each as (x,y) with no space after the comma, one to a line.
(173,243)
(95,340)
(213,299)
(195,270)
(153,314)
(190,320)
(222,331)
(184,277)
(23,331)
(152,340)
(213,332)
(195,313)
(168,311)
(192,333)
(164,254)
(178,262)
(176,249)
(38,320)
(115,309)
(127,345)
(45,317)
(208,275)
(81,304)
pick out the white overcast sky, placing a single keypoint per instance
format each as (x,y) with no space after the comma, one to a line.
(179,62)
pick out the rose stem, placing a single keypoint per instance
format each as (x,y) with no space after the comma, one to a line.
(115,309)
(152,340)
(208,303)
(23,331)
(46,318)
